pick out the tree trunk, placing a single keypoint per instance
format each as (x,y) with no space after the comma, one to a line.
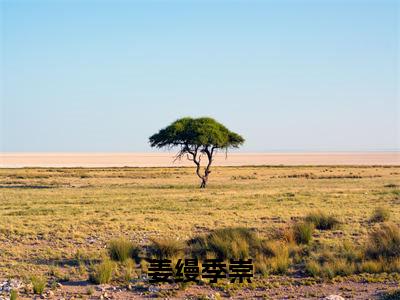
(203,182)
(196,160)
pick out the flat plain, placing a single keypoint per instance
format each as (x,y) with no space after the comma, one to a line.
(166,159)
(54,222)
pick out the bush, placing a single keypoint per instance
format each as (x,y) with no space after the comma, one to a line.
(121,250)
(166,248)
(384,242)
(38,284)
(102,273)
(380,214)
(322,221)
(302,232)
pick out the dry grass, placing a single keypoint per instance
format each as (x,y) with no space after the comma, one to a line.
(322,220)
(59,219)
(102,273)
(122,249)
(380,214)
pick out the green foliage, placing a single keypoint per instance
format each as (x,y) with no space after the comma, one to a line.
(384,242)
(322,221)
(38,284)
(200,132)
(102,273)
(122,249)
(13,295)
(302,232)
(166,248)
(380,214)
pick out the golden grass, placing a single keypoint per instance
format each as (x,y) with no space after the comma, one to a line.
(51,218)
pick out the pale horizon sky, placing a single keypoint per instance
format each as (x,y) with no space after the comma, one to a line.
(102,76)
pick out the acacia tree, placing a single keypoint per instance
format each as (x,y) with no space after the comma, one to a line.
(197,138)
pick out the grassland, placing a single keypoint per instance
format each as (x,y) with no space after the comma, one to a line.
(52,220)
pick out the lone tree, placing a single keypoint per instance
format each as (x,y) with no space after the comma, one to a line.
(197,138)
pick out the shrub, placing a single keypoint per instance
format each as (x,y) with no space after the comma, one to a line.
(322,221)
(165,248)
(121,250)
(380,214)
(302,232)
(102,273)
(384,242)
(38,284)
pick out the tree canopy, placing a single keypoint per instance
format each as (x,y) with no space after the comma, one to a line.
(197,137)
(202,132)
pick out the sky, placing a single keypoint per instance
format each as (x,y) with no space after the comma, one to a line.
(288,75)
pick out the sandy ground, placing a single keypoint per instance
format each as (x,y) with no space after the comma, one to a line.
(16,160)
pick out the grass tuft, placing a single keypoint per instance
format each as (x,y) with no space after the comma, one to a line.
(225,243)
(380,214)
(122,249)
(13,295)
(166,248)
(302,232)
(384,242)
(102,273)
(322,221)
(370,266)
(38,284)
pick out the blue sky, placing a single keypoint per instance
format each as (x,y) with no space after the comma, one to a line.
(287,75)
